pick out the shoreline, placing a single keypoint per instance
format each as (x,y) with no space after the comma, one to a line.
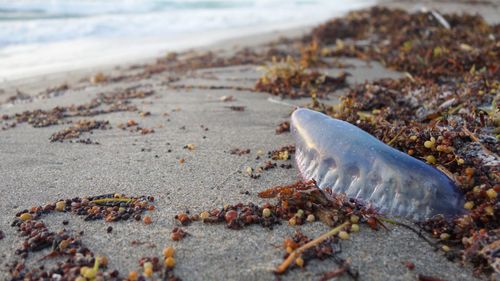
(152,48)
(44,52)
(31,84)
(99,53)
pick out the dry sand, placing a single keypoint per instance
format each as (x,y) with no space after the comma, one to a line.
(35,171)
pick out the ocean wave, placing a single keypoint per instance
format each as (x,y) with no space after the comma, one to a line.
(46,36)
(46,21)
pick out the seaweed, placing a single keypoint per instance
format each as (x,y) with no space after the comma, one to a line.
(416,43)
(291,79)
(445,111)
(79,261)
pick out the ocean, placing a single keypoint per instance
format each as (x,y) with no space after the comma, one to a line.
(54,35)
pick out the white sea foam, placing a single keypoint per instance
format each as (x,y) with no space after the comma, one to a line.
(41,34)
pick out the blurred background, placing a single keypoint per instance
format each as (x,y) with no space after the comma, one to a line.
(42,35)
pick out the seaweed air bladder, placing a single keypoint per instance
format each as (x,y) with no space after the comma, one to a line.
(340,156)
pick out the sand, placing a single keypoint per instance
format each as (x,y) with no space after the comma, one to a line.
(35,171)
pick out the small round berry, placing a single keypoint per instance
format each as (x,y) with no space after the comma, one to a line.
(148,272)
(170,262)
(231,215)
(492,194)
(343,235)
(204,215)
(249,170)
(147,220)
(444,236)
(355,227)
(26,217)
(300,213)
(428,144)
(299,262)
(266,212)
(469,205)
(430,159)
(60,205)
(168,252)
(311,218)
(133,275)
(354,219)
(147,264)
(489,210)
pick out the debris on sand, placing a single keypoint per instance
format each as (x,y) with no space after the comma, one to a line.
(79,261)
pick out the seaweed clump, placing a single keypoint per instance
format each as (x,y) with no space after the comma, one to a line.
(77,129)
(115,102)
(444,112)
(291,79)
(298,203)
(79,263)
(104,103)
(424,44)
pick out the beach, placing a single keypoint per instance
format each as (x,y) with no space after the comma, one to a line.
(169,125)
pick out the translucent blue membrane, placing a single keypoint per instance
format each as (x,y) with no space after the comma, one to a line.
(348,160)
